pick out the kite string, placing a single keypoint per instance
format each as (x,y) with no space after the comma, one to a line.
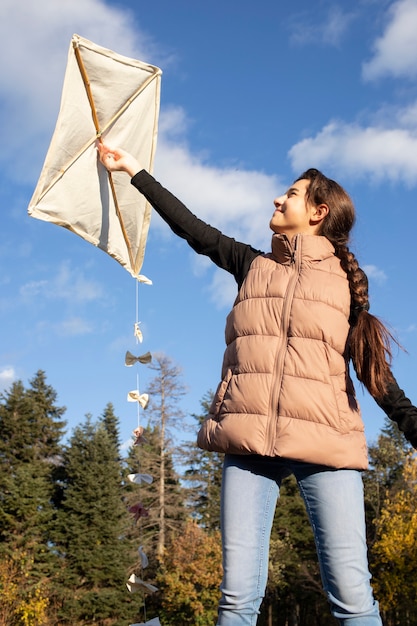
(138,425)
(137,341)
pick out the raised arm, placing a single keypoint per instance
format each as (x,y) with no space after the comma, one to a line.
(230,255)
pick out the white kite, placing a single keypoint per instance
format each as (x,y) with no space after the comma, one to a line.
(104,95)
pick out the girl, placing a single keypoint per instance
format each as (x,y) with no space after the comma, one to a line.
(286,403)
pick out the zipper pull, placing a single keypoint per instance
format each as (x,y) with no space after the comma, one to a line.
(294,250)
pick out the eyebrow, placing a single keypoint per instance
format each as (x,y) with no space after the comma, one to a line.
(293,189)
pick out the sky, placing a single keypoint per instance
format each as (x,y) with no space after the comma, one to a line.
(252,94)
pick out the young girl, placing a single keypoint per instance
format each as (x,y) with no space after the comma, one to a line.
(286,403)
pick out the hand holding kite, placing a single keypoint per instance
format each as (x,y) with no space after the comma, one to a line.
(117,160)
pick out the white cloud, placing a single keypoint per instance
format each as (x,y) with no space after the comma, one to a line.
(7,376)
(395,52)
(328,31)
(173,123)
(380,151)
(67,284)
(74,326)
(375,273)
(223,290)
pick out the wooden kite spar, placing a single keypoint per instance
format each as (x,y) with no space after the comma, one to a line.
(111,96)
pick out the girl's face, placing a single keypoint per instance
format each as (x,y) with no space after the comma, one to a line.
(292,215)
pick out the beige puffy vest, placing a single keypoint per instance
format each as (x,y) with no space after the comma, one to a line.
(285,388)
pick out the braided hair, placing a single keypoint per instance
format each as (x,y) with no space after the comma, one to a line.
(369,340)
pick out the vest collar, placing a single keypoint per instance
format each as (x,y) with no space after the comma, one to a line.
(312,248)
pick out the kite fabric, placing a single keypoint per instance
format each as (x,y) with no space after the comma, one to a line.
(111,97)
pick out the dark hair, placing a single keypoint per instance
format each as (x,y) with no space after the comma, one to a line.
(369,340)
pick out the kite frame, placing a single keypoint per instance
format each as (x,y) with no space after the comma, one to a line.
(77,42)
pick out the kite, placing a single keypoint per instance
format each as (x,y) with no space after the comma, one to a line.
(104,95)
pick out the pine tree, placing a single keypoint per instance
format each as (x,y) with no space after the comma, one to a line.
(31,427)
(46,419)
(93,525)
(111,425)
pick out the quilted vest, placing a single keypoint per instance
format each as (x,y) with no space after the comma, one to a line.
(285,389)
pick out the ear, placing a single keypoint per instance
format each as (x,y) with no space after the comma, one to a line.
(318,213)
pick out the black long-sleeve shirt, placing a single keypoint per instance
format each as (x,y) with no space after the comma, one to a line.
(231,255)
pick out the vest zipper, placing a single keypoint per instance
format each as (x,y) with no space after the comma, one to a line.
(282,348)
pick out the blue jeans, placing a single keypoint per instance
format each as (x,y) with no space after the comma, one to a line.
(335,506)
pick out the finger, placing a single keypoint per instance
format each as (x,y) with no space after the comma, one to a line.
(104,150)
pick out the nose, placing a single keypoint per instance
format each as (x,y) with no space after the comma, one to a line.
(279,200)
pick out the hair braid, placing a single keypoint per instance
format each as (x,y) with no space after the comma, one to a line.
(358,282)
(370,341)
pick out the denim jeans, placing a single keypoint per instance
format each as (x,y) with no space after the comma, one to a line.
(335,506)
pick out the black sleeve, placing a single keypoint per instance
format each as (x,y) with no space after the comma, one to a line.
(232,256)
(400,410)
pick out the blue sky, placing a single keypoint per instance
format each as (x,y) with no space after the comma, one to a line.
(252,94)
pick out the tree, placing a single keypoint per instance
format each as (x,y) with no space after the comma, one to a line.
(159,505)
(190,578)
(20,605)
(31,427)
(395,549)
(92,540)
(385,474)
(111,426)
(165,390)
(204,475)
(144,531)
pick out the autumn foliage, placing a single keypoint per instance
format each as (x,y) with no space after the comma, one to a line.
(22,602)
(396,546)
(191,576)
